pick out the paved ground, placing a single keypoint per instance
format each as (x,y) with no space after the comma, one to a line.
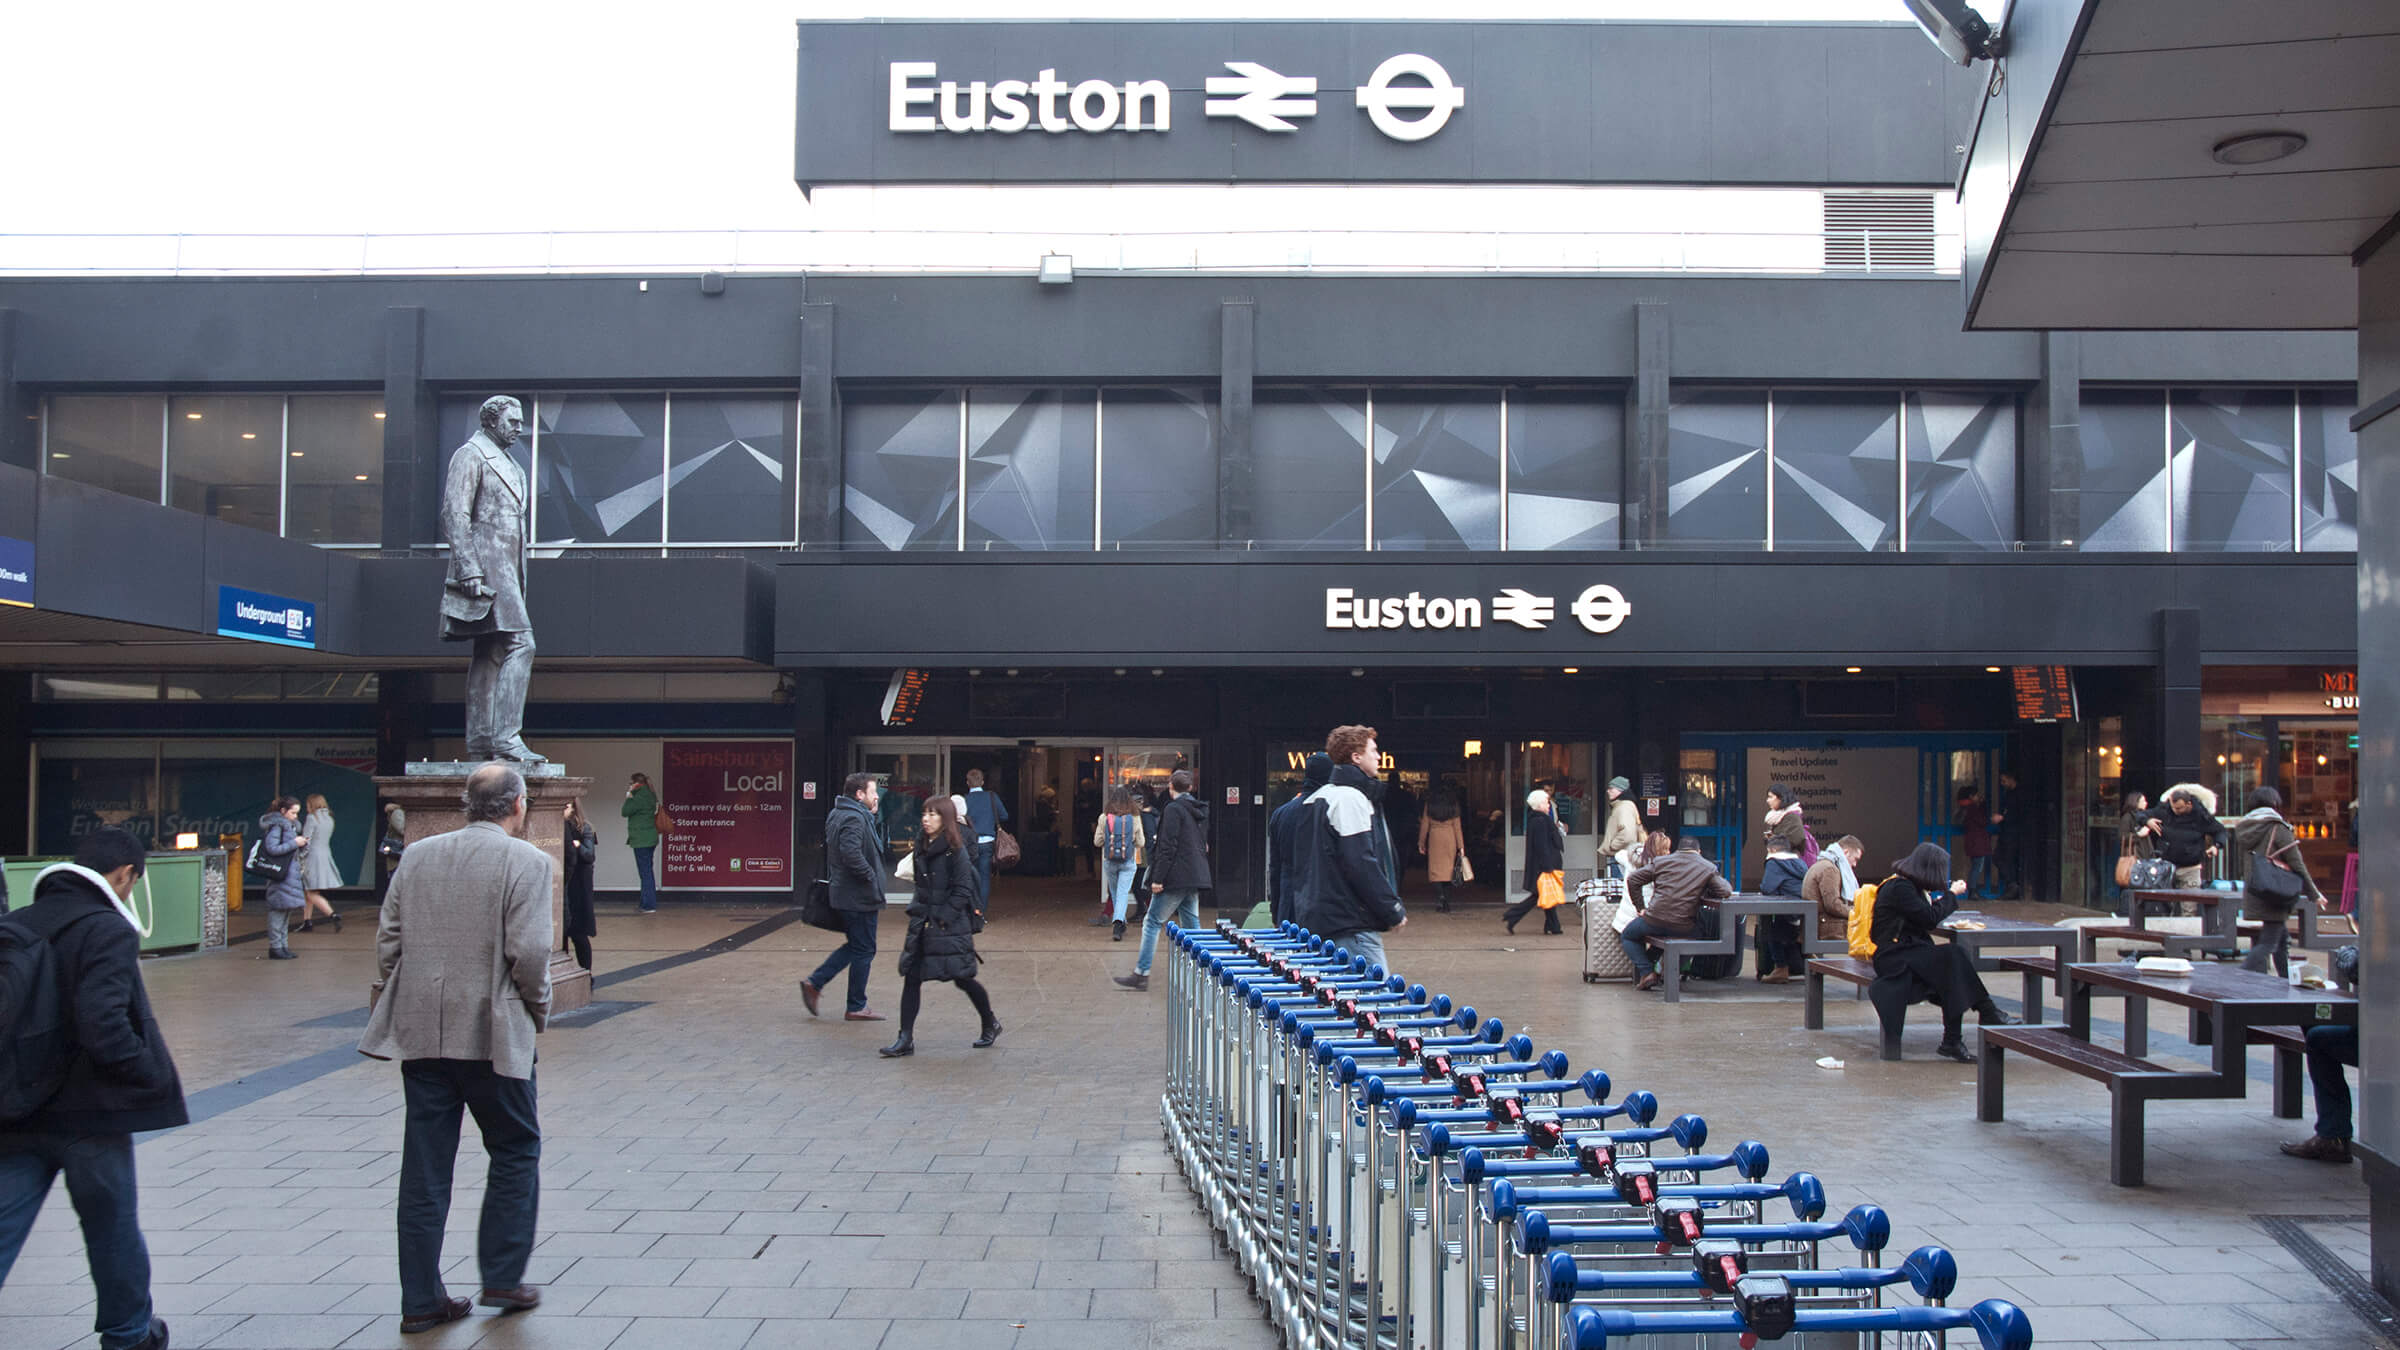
(723,1171)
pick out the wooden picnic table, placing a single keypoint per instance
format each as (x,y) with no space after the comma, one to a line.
(1731,914)
(1998,932)
(2225,1003)
(2220,932)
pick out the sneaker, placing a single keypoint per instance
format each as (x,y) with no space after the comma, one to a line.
(452,1310)
(282,954)
(1137,982)
(1117,931)
(2318,1148)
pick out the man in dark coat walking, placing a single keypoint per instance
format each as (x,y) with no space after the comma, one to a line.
(854,878)
(1178,872)
(1283,835)
(120,1080)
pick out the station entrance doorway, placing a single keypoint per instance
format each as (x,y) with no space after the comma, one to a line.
(1052,790)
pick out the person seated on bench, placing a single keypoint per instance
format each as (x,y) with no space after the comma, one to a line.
(1678,883)
(1833,881)
(2329,1048)
(1908,908)
(2265,831)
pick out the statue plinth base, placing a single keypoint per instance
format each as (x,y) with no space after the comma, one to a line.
(433,795)
(460,768)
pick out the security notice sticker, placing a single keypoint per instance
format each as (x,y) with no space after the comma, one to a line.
(731,807)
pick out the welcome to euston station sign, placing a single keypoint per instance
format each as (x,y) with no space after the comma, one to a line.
(1341,102)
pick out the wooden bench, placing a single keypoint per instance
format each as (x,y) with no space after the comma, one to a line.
(1672,951)
(1891,1008)
(2034,970)
(2088,941)
(2291,1065)
(2132,1084)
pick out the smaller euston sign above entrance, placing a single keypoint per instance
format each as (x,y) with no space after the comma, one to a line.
(1601,608)
(259,617)
(921,101)
(16,572)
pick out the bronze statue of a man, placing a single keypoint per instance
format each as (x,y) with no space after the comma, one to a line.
(484,511)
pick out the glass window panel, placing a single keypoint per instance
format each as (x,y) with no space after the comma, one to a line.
(1837,471)
(104,686)
(224,686)
(1716,471)
(334,485)
(1962,471)
(1158,480)
(81,786)
(2122,504)
(602,470)
(1310,481)
(224,458)
(2328,473)
(107,441)
(1029,468)
(1437,470)
(1566,470)
(2233,470)
(731,479)
(900,469)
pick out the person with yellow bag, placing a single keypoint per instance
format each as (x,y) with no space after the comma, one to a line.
(1545,864)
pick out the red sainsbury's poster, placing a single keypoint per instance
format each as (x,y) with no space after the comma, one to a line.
(731,802)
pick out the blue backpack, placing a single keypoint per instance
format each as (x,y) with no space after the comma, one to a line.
(1119,839)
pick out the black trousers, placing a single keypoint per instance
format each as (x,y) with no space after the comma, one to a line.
(1943,974)
(438,1091)
(1526,906)
(912,996)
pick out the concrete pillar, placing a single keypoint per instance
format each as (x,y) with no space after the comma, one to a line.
(2050,450)
(1237,370)
(2179,696)
(820,433)
(2378,427)
(412,461)
(20,415)
(1646,476)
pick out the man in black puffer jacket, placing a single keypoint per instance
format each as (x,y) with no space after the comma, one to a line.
(1283,835)
(1341,889)
(1178,872)
(120,1080)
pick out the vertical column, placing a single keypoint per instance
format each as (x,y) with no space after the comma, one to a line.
(20,439)
(1231,756)
(2050,463)
(820,473)
(1237,369)
(2378,428)
(1645,488)
(16,753)
(403,725)
(817,758)
(2179,695)
(412,465)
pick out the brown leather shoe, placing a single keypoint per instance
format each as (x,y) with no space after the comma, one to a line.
(808,996)
(1650,981)
(452,1310)
(2318,1148)
(1777,975)
(863,1015)
(519,1299)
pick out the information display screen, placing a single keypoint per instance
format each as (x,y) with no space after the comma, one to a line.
(2044,693)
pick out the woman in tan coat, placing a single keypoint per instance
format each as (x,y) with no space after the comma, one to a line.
(1442,842)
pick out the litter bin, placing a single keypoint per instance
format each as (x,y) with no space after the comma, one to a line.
(233,844)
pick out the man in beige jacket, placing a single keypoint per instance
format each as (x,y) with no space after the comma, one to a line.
(463,984)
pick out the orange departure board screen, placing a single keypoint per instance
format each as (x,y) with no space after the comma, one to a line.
(2044,693)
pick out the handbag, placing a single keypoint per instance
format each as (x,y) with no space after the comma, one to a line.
(1550,890)
(1004,848)
(2125,862)
(391,846)
(259,865)
(2271,882)
(817,910)
(662,822)
(1466,870)
(2150,874)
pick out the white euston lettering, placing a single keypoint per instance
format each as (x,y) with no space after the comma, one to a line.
(920,101)
(906,96)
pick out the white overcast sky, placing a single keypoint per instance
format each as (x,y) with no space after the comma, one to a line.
(246,117)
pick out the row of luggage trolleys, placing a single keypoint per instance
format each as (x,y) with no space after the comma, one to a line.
(1395,1172)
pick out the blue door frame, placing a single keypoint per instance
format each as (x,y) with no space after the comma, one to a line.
(1945,761)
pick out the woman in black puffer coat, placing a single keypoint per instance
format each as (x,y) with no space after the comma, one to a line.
(1909,907)
(941,927)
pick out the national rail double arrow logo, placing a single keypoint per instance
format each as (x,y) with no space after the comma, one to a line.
(1268,99)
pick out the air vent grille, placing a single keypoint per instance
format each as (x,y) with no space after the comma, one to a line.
(1879,231)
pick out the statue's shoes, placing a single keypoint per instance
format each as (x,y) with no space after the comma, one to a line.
(520,755)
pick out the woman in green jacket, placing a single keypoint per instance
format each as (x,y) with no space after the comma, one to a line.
(641,835)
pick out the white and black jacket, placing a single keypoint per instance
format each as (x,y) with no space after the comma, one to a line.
(1338,878)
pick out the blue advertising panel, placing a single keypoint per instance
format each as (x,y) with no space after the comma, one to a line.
(260,617)
(16,572)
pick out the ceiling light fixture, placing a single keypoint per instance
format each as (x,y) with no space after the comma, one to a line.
(191,417)
(1570,670)
(1991,670)
(1853,670)
(249,435)
(379,417)
(2257,147)
(360,477)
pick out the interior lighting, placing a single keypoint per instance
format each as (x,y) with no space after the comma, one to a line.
(1120,670)
(2320,761)
(60,454)
(379,417)
(1991,670)
(191,417)
(1570,670)
(299,454)
(1536,745)
(2220,761)
(360,477)
(249,435)
(2258,147)
(1473,748)
(1852,670)
(187,841)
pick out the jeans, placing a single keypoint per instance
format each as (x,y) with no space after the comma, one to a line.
(1177,907)
(982,854)
(1116,886)
(437,1091)
(100,1182)
(1983,875)
(857,952)
(1632,938)
(2329,1048)
(1365,942)
(279,930)
(2274,944)
(641,866)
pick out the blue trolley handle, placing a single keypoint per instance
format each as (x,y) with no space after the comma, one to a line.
(1806,1193)
(1999,1324)
(1593,1084)
(1867,1226)
(1931,1271)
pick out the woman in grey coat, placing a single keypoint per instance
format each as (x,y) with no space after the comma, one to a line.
(319,873)
(2264,830)
(280,840)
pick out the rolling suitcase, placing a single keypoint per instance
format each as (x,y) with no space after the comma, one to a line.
(1603,955)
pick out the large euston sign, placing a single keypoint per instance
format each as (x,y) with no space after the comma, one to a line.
(1337,102)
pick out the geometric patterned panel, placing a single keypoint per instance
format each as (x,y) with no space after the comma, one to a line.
(2328,473)
(2122,505)
(900,469)
(1716,471)
(1566,469)
(1310,487)
(600,460)
(729,476)
(1437,470)
(1158,485)
(1837,471)
(1962,471)
(1029,468)
(2233,470)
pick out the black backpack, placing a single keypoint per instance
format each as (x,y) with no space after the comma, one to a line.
(37,1045)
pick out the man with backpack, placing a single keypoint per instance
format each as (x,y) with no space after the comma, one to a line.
(82,1069)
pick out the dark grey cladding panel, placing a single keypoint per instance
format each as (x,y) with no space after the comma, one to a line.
(18,498)
(1867,104)
(253,560)
(403,597)
(1269,610)
(691,608)
(112,557)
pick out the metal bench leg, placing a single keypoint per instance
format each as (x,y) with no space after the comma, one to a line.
(1892,1028)
(1988,1083)
(1812,1006)
(2033,998)
(2124,1134)
(2290,1071)
(1671,966)
(2137,1030)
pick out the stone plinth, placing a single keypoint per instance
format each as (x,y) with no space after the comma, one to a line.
(434,804)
